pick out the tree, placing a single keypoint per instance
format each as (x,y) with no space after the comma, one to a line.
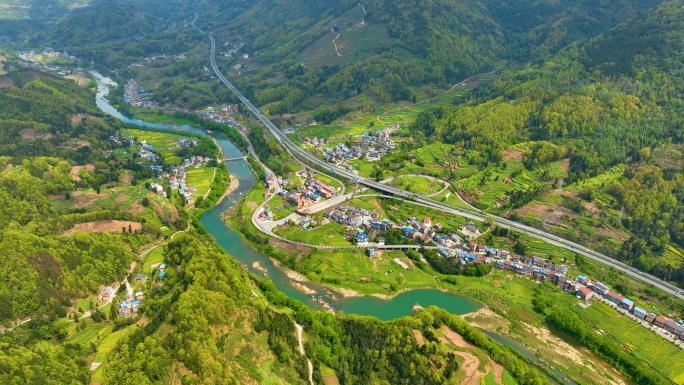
(145,201)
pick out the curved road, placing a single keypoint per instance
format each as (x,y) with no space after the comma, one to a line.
(306,157)
(446,184)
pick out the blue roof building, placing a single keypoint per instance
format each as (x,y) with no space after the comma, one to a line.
(162,274)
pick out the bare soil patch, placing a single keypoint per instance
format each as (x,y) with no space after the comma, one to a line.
(80,79)
(456,338)
(486,319)
(375,203)
(252,205)
(136,208)
(419,337)
(554,217)
(121,197)
(469,366)
(6,83)
(290,248)
(329,380)
(169,215)
(609,233)
(566,165)
(513,155)
(126,178)
(83,200)
(103,227)
(77,118)
(498,371)
(31,133)
(74,170)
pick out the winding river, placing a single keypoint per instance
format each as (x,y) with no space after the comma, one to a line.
(398,306)
(239,249)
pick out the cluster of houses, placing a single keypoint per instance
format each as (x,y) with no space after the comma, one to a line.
(315,142)
(586,289)
(127,141)
(152,59)
(355,216)
(314,191)
(219,115)
(539,268)
(177,175)
(270,181)
(49,52)
(232,48)
(51,68)
(372,147)
(130,304)
(134,94)
(369,226)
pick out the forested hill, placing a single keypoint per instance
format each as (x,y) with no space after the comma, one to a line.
(45,116)
(604,102)
(536,28)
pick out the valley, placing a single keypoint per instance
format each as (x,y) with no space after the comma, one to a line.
(335,192)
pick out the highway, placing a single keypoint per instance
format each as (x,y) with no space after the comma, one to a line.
(310,159)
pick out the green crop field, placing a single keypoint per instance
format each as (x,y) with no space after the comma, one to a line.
(351,265)
(86,335)
(122,198)
(200,178)
(452,199)
(154,256)
(645,344)
(277,202)
(110,343)
(507,379)
(329,234)
(162,142)
(418,184)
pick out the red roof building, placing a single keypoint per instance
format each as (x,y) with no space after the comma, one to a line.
(585,293)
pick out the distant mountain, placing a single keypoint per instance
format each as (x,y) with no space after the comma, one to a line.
(599,103)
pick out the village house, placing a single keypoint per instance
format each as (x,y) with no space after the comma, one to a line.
(599,288)
(124,311)
(106,293)
(585,293)
(660,321)
(639,312)
(614,298)
(627,304)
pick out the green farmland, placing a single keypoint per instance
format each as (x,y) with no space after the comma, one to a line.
(329,234)
(418,184)
(162,142)
(200,178)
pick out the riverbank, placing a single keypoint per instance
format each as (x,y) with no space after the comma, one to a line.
(232,187)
